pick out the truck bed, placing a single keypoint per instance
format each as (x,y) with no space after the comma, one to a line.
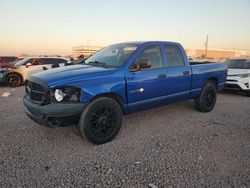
(200,62)
(203,70)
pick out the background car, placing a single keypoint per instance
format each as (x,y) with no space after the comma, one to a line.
(191,58)
(6,60)
(2,74)
(238,74)
(20,71)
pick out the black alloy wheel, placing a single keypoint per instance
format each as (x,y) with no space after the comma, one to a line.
(101,120)
(207,99)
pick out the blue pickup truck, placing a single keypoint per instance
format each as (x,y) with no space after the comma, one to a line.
(120,79)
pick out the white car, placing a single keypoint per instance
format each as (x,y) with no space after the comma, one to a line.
(20,71)
(238,76)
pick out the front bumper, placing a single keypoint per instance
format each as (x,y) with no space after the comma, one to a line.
(53,115)
(238,83)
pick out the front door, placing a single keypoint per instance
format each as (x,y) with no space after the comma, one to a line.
(36,65)
(147,88)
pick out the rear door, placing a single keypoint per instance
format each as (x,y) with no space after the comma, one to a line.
(178,73)
(147,88)
(50,63)
(62,62)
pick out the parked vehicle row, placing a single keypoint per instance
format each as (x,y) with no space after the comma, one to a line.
(118,80)
(2,74)
(238,74)
(6,61)
(17,74)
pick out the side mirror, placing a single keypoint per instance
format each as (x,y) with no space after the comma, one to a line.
(28,64)
(141,63)
(144,63)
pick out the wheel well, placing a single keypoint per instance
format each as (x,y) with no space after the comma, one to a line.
(113,96)
(214,81)
(15,73)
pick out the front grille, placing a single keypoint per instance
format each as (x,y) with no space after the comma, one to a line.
(233,86)
(36,96)
(35,86)
(36,92)
(231,80)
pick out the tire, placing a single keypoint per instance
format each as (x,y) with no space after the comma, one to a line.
(247,93)
(206,101)
(101,120)
(13,80)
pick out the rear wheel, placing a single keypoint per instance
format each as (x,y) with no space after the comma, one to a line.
(101,120)
(206,101)
(13,80)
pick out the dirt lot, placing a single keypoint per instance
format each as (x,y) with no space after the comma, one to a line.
(173,146)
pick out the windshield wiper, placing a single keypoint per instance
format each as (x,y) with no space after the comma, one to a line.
(97,63)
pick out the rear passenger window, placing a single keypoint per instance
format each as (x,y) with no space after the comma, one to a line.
(61,61)
(48,61)
(174,56)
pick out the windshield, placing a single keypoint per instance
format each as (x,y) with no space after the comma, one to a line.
(238,64)
(112,56)
(21,62)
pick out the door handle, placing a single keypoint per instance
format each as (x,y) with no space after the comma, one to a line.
(162,76)
(186,72)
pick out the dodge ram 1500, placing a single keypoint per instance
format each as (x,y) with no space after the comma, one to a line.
(120,79)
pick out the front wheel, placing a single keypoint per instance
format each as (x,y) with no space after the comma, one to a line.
(206,101)
(101,120)
(13,80)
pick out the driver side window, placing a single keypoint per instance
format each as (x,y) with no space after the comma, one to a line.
(34,62)
(153,54)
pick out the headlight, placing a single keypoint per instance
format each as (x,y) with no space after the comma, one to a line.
(244,75)
(66,94)
(59,95)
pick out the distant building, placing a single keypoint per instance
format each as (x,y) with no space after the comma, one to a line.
(197,53)
(216,54)
(86,51)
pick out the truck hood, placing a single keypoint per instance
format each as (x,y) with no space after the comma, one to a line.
(233,72)
(69,74)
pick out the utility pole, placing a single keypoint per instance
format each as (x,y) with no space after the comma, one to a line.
(206,44)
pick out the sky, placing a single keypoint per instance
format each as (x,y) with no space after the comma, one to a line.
(55,26)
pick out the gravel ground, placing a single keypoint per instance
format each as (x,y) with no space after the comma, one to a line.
(172,146)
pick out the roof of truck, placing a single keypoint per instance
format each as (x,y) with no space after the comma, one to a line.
(54,57)
(247,57)
(147,42)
